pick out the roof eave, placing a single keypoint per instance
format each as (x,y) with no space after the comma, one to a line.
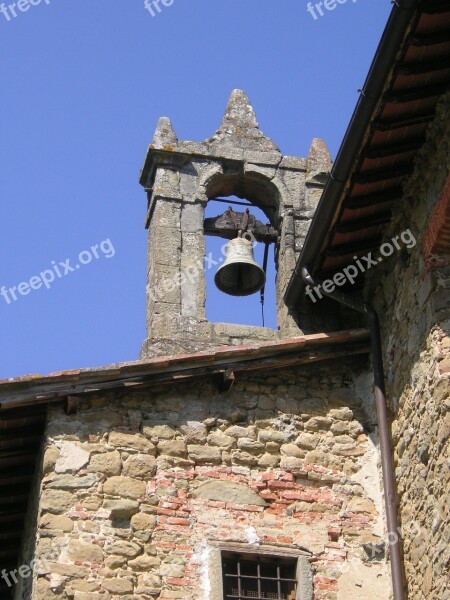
(371,94)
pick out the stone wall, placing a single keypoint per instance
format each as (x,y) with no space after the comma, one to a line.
(141,489)
(413,297)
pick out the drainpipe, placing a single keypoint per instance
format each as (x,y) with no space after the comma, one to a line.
(387,462)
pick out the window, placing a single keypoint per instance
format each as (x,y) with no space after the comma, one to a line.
(247,576)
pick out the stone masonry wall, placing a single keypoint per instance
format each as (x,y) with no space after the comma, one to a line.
(139,488)
(413,295)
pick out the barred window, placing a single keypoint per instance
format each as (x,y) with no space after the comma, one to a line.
(247,576)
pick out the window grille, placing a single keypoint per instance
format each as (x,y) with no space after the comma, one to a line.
(248,577)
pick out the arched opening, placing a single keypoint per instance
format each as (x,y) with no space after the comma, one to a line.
(253,187)
(222,225)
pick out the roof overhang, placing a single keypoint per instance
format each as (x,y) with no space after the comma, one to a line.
(36,390)
(409,74)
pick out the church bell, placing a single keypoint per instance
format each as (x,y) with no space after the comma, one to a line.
(240,274)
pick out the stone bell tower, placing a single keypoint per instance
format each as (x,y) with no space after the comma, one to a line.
(180,177)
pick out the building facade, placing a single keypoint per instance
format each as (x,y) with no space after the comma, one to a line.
(238,462)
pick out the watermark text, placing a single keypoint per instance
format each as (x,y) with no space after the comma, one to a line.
(56,271)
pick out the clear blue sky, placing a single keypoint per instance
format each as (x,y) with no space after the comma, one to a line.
(83,85)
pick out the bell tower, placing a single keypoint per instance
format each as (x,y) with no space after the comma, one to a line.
(180,177)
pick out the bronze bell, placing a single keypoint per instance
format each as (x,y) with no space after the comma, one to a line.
(240,274)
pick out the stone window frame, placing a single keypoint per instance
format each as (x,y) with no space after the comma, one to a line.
(304,574)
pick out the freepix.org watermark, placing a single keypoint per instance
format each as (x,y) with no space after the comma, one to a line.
(154,6)
(57,271)
(316,10)
(361,265)
(24,571)
(15,8)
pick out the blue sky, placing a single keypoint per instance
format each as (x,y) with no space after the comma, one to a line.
(83,85)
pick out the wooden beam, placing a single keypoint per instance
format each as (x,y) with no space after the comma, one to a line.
(418,93)
(226,227)
(394,149)
(436,7)
(376,175)
(420,67)
(354,247)
(365,223)
(357,202)
(227,380)
(72,404)
(429,39)
(419,118)
(13,421)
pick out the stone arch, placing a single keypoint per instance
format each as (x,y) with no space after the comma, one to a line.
(252,184)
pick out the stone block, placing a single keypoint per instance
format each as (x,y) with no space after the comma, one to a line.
(140,466)
(131,441)
(318,424)
(71,482)
(173,448)
(165,250)
(239,457)
(50,457)
(169,462)
(108,463)
(236,431)
(340,427)
(123,548)
(251,446)
(194,432)
(90,553)
(121,508)
(268,435)
(341,414)
(205,454)
(159,432)
(293,465)
(171,570)
(126,487)
(361,505)
(118,586)
(57,501)
(307,441)
(67,570)
(58,523)
(81,585)
(220,439)
(268,461)
(144,563)
(293,162)
(143,522)
(266,402)
(71,458)
(273,448)
(115,562)
(167,183)
(167,214)
(292,450)
(86,596)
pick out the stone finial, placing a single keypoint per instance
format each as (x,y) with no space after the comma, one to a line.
(319,158)
(240,128)
(164,134)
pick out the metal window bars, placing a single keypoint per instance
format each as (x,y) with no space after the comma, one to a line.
(272,579)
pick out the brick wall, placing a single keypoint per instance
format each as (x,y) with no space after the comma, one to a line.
(139,488)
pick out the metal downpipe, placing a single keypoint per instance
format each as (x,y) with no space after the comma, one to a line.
(387,463)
